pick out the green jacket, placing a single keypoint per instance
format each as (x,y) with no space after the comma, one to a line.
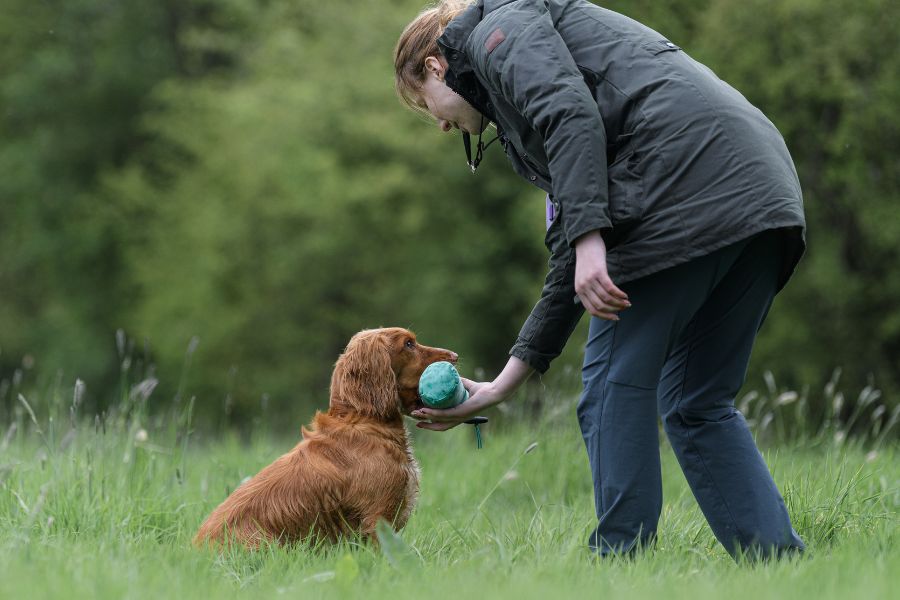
(628,135)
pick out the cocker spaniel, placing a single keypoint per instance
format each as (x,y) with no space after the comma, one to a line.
(354,465)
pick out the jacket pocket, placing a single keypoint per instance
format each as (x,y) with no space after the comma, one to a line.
(626,189)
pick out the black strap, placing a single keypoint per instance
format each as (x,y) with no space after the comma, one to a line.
(467,144)
(479,149)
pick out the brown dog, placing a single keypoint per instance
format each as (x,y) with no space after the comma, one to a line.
(354,465)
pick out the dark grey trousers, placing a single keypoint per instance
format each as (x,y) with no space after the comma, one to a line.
(681,351)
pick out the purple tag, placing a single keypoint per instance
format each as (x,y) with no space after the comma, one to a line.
(551,212)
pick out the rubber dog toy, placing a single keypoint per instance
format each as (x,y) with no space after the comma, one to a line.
(441,387)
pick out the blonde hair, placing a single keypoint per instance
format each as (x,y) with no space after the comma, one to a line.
(417,42)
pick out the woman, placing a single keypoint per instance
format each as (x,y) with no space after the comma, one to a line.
(674,216)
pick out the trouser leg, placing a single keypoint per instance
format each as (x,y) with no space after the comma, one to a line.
(618,407)
(703,373)
(620,432)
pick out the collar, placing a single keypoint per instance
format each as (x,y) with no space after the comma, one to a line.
(457,32)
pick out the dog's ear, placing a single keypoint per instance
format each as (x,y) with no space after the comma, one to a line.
(363,380)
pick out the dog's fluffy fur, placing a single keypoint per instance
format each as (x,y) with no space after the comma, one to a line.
(354,465)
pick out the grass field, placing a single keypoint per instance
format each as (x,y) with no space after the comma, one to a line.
(106,509)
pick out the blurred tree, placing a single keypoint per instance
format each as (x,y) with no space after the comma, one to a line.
(826,74)
(311,206)
(240,171)
(76,79)
(75,75)
(678,20)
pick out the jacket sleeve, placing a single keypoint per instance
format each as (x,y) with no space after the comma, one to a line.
(532,69)
(556,314)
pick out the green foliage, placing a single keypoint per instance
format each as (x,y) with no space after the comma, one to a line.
(240,173)
(75,78)
(313,206)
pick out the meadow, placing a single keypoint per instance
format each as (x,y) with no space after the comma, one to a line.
(240,172)
(105,506)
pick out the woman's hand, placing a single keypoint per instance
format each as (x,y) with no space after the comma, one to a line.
(598,294)
(482,395)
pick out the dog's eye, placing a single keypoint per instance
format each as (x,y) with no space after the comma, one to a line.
(410,344)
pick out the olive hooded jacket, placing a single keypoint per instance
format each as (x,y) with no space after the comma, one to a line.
(628,135)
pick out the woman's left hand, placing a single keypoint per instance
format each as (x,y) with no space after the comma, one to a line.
(483,395)
(597,292)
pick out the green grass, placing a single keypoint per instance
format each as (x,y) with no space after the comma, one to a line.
(107,509)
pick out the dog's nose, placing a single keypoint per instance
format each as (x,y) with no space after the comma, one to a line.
(453,356)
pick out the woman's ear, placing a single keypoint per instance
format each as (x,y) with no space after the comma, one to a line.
(435,67)
(363,379)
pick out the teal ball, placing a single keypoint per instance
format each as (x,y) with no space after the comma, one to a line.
(441,387)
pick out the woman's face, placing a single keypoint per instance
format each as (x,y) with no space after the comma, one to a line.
(445,105)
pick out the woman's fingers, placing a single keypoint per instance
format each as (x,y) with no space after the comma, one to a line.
(420,413)
(470,385)
(436,420)
(457,413)
(610,294)
(602,298)
(596,288)
(614,291)
(597,307)
(437,426)
(613,302)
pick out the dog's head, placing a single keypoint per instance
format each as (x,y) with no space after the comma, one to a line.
(378,373)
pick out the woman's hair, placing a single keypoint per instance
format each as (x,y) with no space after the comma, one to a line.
(417,42)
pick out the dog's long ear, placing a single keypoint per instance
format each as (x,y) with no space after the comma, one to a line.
(363,380)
